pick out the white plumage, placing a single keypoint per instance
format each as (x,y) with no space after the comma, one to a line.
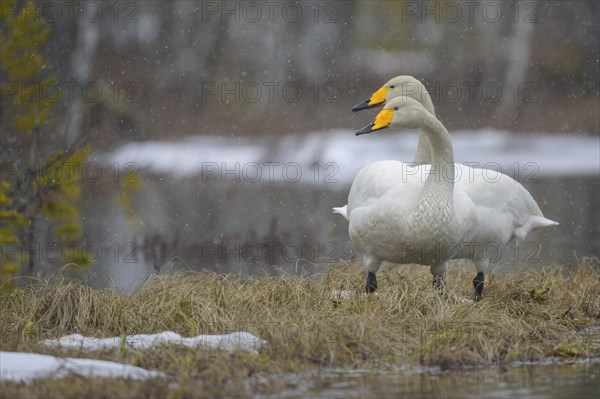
(503,209)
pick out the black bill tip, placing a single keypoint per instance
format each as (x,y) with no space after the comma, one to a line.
(364,105)
(366,129)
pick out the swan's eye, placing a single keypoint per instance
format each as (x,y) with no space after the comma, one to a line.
(392,86)
(396,108)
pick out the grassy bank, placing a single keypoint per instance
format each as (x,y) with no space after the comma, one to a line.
(530,315)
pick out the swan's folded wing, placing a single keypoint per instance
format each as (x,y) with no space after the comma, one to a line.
(387,180)
(504,207)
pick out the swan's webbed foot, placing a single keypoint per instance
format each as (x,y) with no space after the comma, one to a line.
(371,283)
(439,284)
(478,285)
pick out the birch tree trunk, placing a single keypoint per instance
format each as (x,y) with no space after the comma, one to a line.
(88,33)
(519,49)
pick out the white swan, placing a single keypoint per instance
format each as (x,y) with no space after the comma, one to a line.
(397,216)
(505,210)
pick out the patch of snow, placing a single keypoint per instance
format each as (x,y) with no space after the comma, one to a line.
(187,157)
(343,294)
(517,155)
(26,367)
(240,340)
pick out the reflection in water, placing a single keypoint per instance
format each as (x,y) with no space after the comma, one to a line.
(204,205)
(248,228)
(231,227)
(576,380)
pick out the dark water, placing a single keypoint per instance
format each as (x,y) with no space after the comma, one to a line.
(279,227)
(575,380)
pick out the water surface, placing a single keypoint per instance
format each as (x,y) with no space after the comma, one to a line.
(579,379)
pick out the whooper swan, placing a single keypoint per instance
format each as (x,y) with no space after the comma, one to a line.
(397,216)
(505,210)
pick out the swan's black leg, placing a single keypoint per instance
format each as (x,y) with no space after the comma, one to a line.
(439,284)
(478,285)
(371,283)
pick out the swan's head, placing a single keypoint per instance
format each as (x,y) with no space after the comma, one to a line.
(403,85)
(403,112)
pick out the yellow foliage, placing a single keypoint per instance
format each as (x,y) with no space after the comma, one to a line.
(80,258)
(4,199)
(24,63)
(56,208)
(131,185)
(68,230)
(26,107)
(7,236)
(64,175)
(10,268)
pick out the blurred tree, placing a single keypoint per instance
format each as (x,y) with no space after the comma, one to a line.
(81,63)
(39,183)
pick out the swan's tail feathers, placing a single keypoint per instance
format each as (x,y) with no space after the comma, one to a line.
(533,223)
(528,201)
(341,210)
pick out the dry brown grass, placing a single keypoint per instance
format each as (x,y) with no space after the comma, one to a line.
(529,315)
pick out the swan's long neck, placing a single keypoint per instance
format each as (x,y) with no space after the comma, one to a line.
(434,217)
(438,190)
(442,155)
(423,155)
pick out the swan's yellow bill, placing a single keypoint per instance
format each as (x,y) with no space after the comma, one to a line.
(379,96)
(383,119)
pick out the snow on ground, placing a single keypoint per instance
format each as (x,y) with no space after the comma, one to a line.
(241,340)
(535,154)
(26,367)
